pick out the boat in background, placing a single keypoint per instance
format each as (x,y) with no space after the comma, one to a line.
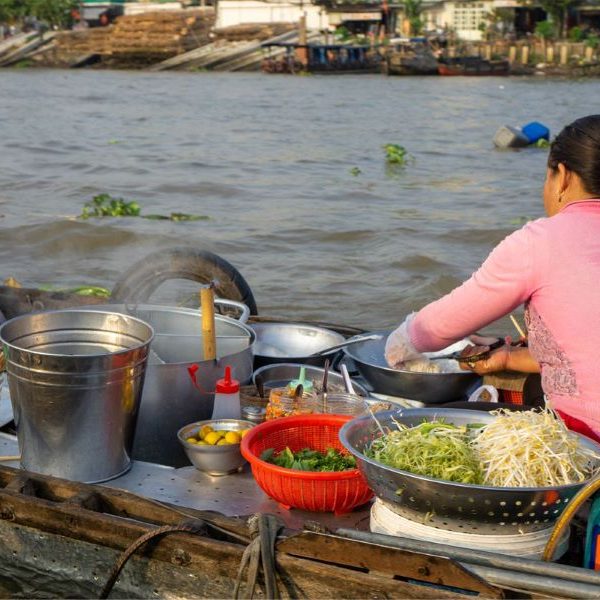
(410,56)
(472,66)
(320,58)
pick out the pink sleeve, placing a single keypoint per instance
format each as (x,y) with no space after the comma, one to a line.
(503,282)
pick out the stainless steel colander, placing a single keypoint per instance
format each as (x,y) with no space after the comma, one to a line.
(446,504)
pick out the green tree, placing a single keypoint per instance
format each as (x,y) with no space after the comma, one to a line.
(56,13)
(52,12)
(13,11)
(556,9)
(412,12)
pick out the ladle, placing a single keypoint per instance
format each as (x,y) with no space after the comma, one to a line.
(354,340)
(350,390)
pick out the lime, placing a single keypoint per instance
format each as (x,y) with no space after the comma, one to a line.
(232,437)
(212,438)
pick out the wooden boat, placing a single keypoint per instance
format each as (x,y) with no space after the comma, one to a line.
(321,59)
(63,538)
(410,57)
(473,66)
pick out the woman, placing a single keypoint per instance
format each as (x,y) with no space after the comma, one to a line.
(551,265)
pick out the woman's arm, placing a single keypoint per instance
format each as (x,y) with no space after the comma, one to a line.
(505,280)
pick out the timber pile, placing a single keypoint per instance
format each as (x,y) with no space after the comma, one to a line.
(162,32)
(87,41)
(253,31)
(146,37)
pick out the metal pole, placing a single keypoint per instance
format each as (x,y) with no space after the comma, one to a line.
(476,557)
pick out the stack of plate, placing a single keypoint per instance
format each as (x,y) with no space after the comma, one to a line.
(527,545)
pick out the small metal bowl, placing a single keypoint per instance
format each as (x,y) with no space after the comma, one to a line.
(214,460)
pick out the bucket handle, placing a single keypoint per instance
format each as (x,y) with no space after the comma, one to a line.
(244,310)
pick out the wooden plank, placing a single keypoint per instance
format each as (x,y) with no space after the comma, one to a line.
(68,516)
(408,565)
(42,565)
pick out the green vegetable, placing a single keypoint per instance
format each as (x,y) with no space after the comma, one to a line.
(396,154)
(309,460)
(104,205)
(434,449)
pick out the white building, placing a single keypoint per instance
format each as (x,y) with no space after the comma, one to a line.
(238,12)
(468,19)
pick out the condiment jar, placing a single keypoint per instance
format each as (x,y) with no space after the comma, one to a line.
(255,414)
(227,398)
(340,403)
(282,404)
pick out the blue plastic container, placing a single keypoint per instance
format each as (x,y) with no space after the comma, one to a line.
(535,131)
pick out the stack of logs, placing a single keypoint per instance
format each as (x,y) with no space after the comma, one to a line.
(253,31)
(153,35)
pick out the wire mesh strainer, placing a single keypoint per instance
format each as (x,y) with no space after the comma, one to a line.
(446,504)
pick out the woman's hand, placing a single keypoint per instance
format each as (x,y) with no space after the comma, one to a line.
(398,346)
(506,358)
(497,361)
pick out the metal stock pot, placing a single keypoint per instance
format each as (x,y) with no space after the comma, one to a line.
(172,397)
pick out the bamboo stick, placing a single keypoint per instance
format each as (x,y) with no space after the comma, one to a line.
(207,305)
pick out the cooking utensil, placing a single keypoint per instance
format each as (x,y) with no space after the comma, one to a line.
(291,343)
(76,380)
(458,356)
(279,375)
(350,390)
(349,342)
(214,460)
(170,398)
(431,388)
(449,505)
(207,306)
(324,385)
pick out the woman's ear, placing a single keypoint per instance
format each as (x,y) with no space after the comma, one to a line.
(563,178)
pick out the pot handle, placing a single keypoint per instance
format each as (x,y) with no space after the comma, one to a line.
(244,310)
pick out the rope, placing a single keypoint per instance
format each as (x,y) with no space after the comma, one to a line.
(258,555)
(190,527)
(260,552)
(565,519)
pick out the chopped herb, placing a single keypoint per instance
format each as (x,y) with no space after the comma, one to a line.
(310,460)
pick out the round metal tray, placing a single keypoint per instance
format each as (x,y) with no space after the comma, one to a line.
(446,504)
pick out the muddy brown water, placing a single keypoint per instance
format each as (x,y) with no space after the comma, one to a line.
(270,161)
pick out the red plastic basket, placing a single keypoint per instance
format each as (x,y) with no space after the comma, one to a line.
(337,492)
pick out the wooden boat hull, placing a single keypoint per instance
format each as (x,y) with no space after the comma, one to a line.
(474,69)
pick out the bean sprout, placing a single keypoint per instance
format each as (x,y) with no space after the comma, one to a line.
(532,449)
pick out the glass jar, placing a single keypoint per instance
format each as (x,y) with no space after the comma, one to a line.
(282,404)
(343,404)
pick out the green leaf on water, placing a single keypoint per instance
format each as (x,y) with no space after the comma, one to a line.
(395,154)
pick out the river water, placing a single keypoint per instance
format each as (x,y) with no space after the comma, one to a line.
(271,161)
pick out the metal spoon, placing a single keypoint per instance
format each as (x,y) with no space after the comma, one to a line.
(355,340)
(350,390)
(324,386)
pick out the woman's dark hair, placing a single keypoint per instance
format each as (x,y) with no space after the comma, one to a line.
(577,147)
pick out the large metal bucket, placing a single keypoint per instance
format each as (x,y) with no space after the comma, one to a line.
(76,380)
(171,397)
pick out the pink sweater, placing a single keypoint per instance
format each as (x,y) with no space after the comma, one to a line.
(553,266)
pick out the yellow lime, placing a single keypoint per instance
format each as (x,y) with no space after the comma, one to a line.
(191,440)
(205,429)
(202,443)
(211,438)
(232,437)
(223,442)
(243,432)
(221,433)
